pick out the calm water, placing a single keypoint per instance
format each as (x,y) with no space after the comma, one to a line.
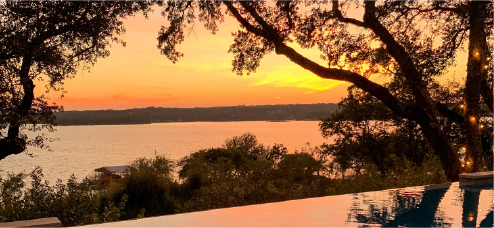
(443,205)
(81,149)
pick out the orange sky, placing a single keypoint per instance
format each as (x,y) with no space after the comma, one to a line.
(138,76)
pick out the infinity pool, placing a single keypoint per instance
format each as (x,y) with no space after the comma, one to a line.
(442,205)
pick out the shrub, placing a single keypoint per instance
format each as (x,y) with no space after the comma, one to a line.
(149,186)
(73,203)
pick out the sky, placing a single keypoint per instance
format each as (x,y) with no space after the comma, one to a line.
(138,76)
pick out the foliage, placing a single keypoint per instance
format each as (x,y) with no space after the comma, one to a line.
(232,176)
(49,41)
(234,113)
(73,203)
(241,172)
(411,43)
(367,133)
(148,185)
(429,172)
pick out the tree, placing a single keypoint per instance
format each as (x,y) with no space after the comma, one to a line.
(49,40)
(368,134)
(149,186)
(398,39)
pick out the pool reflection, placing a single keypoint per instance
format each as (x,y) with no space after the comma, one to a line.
(420,207)
(443,205)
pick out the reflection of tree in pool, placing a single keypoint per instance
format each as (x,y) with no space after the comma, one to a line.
(418,209)
(411,210)
(470,207)
(471,198)
(385,211)
(488,221)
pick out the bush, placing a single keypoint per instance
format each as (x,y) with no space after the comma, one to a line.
(149,186)
(73,203)
(242,172)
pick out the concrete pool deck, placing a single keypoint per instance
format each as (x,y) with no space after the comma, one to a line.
(479,178)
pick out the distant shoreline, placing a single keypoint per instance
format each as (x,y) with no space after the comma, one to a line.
(270,113)
(282,121)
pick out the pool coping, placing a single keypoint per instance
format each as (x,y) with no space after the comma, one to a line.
(479,178)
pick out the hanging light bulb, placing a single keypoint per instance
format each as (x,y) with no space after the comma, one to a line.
(481,126)
(464,149)
(488,58)
(462,106)
(470,216)
(468,163)
(476,53)
(473,118)
(486,66)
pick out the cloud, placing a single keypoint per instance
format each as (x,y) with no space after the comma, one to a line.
(295,76)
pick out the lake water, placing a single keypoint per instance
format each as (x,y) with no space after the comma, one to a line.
(81,149)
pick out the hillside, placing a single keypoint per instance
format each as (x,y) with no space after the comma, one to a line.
(233,113)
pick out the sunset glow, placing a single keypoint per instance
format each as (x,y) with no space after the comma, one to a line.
(138,76)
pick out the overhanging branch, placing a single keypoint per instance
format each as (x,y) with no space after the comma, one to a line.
(376,90)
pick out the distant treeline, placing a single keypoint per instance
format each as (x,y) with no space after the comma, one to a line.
(233,113)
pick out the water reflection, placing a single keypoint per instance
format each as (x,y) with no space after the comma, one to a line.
(444,205)
(420,207)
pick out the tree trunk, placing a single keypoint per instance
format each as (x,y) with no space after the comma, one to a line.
(436,138)
(475,67)
(13,144)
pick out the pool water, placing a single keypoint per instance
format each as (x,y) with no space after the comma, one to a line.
(442,205)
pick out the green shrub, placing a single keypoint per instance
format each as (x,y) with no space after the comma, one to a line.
(149,186)
(242,172)
(73,203)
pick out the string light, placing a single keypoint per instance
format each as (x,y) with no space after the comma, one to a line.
(481,126)
(477,53)
(486,66)
(462,165)
(473,118)
(464,148)
(488,58)
(470,216)
(468,163)
(462,106)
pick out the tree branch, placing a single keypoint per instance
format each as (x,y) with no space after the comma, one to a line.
(376,90)
(339,15)
(398,52)
(243,21)
(271,32)
(444,111)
